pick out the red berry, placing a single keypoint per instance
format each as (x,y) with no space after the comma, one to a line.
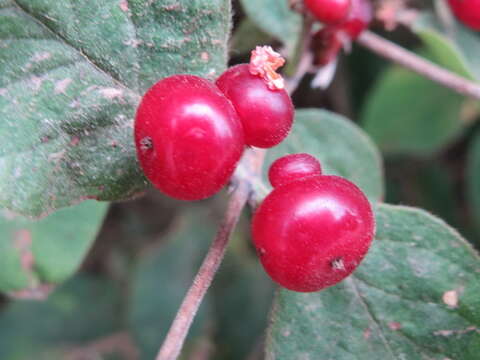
(314,232)
(467,11)
(328,41)
(293,167)
(328,11)
(266,114)
(358,19)
(188,137)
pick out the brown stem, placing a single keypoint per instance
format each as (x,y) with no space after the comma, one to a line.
(396,53)
(173,343)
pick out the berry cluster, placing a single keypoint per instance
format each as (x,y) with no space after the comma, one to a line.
(467,11)
(344,21)
(312,230)
(190,132)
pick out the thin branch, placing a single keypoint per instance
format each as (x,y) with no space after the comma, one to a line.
(173,343)
(396,53)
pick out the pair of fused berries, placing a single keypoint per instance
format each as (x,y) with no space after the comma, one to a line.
(467,11)
(190,133)
(344,21)
(312,230)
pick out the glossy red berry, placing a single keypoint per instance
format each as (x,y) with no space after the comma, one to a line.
(314,232)
(188,137)
(328,11)
(467,11)
(292,168)
(266,114)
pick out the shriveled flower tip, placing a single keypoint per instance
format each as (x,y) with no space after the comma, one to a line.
(264,62)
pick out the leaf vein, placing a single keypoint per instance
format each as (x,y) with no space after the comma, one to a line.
(372,317)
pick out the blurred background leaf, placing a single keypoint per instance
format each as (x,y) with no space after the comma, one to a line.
(275,18)
(408,114)
(82,310)
(37,255)
(247,36)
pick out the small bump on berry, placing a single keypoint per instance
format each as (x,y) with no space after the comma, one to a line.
(293,167)
(338,264)
(146,143)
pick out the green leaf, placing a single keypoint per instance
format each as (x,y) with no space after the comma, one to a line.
(415,296)
(162,279)
(456,48)
(275,17)
(473,178)
(82,310)
(247,36)
(406,113)
(71,75)
(340,146)
(36,255)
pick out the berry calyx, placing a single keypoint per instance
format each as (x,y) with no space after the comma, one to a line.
(188,137)
(292,168)
(264,62)
(265,113)
(328,11)
(467,11)
(313,232)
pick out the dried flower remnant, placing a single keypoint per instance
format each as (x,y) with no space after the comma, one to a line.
(264,62)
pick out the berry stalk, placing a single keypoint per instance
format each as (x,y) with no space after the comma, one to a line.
(173,343)
(251,166)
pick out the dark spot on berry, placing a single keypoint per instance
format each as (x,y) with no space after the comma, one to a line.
(337,264)
(146,143)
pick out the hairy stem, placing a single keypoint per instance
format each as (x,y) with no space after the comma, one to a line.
(173,343)
(396,53)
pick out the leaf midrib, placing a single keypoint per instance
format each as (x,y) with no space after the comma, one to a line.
(371,316)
